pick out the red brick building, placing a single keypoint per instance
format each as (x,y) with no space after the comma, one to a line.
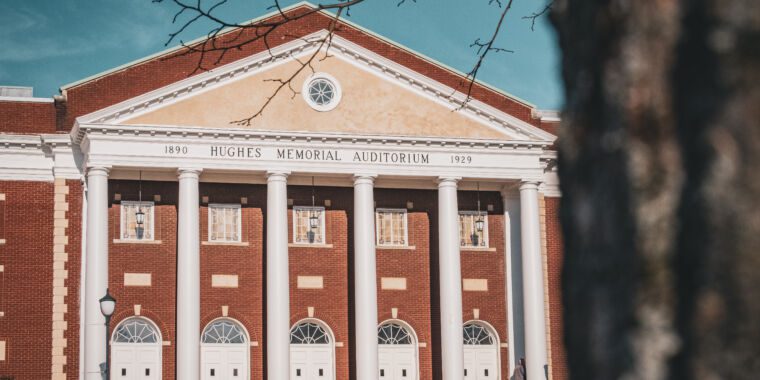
(368,225)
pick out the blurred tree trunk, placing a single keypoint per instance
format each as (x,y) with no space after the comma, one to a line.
(660,175)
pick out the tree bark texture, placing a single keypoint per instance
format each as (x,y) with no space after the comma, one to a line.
(659,154)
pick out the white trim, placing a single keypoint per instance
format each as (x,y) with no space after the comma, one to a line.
(285,10)
(148,321)
(485,230)
(328,330)
(413,334)
(239,216)
(123,221)
(497,342)
(337,92)
(378,211)
(24,99)
(322,224)
(512,127)
(248,343)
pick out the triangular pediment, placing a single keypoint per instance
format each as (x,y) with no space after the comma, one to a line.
(379,97)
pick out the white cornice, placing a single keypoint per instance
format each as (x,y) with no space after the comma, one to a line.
(512,127)
(238,134)
(38,157)
(24,99)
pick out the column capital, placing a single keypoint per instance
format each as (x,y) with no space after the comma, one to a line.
(529,185)
(98,171)
(189,172)
(364,178)
(447,181)
(277,175)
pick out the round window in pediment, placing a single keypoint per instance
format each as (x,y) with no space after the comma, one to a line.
(321,92)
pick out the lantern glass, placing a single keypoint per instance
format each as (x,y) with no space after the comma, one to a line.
(480,224)
(314,221)
(107,304)
(140,217)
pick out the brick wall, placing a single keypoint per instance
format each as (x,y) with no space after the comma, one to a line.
(26,281)
(554,273)
(27,117)
(418,305)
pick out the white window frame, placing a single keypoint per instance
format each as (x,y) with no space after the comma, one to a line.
(322,226)
(150,218)
(377,227)
(485,229)
(239,222)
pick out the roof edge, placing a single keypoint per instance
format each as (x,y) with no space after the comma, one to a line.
(290,8)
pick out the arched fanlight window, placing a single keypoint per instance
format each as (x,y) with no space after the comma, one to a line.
(393,333)
(135,330)
(309,333)
(223,331)
(476,334)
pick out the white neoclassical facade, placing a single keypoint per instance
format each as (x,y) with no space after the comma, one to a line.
(181,133)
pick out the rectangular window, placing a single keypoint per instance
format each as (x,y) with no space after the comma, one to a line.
(469,236)
(391,227)
(130,230)
(302,225)
(224,223)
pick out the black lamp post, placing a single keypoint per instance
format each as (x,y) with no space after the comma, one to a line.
(107,307)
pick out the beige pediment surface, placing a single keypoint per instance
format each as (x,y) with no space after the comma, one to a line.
(370,105)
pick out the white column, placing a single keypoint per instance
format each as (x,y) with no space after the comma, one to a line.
(513,271)
(533,282)
(365,278)
(452,350)
(278,284)
(96,271)
(188,277)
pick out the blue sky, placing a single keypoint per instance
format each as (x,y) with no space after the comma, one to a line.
(49,43)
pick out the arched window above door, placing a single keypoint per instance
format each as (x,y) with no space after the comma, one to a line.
(224,331)
(309,333)
(135,330)
(476,334)
(393,333)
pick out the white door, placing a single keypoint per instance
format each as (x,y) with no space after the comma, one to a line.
(133,361)
(135,351)
(397,362)
(224,362)
(480,363)
(224,351)
(311,362)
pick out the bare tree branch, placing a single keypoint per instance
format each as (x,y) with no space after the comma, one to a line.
(535,15)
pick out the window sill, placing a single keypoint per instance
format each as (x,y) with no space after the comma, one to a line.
(309,245)
(406,247)
(227,243)
(127,241)
(477,249)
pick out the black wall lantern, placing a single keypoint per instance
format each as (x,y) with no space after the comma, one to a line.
(139,214)
(313,216)
(479,223)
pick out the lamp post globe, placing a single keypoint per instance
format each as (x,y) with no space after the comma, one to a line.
(107,307)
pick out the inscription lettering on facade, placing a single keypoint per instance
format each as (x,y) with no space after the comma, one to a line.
(308,154)
(235,151)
